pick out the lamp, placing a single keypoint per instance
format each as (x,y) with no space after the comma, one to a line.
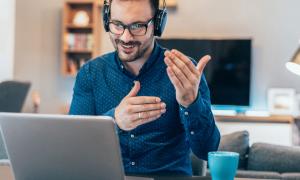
(294,64)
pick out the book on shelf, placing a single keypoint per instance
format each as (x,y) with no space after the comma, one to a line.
(79,41)
(74,64)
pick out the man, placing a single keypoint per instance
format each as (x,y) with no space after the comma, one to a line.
(166,114)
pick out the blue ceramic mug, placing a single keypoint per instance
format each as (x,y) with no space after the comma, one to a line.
(223,165)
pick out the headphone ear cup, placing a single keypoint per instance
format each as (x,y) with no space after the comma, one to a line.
(105,16)
(160,22)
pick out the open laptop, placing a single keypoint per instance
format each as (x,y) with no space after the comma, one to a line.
(62,147)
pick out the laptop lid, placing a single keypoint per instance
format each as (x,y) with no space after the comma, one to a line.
(62,147)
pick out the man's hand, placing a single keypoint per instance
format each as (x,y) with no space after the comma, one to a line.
(184,75)
(134,111)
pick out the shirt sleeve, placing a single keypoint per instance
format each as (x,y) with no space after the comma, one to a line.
(83,96)
(83,102)
(199,124)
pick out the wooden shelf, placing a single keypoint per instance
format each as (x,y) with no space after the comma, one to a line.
(262,119)
(170,3)
(79,51)
(72,26)
(80,2)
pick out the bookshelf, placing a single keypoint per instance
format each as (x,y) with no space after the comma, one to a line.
(81,34)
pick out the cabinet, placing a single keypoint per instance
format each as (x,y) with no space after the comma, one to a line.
(80,34)
(270,129)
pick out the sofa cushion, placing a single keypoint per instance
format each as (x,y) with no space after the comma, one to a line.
(269,157)
(254,174)
(236,142)
(257,174)
(198,165)
(290,176)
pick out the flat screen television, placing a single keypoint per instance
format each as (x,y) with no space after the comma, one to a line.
(229,71)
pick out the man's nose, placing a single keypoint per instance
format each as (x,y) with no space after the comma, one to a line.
(126,36)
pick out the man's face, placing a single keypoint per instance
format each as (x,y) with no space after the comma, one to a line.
(128,46)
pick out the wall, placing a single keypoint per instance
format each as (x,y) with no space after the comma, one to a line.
(272,24)
(7,33)
(37,53)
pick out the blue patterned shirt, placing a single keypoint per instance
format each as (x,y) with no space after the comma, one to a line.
(161,146)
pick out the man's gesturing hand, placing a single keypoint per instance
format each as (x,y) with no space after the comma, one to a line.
(184,75)
(134,111)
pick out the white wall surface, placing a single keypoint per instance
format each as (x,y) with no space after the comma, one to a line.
(7,33)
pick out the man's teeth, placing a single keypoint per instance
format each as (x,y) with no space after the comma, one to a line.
(128,46)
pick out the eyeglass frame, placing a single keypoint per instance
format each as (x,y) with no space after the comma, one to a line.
(146,24)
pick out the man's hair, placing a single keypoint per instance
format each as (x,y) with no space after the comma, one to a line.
(154,5)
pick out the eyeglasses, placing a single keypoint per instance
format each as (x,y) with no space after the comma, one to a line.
(135,29)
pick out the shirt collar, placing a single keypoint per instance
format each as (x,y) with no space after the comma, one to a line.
(153,57)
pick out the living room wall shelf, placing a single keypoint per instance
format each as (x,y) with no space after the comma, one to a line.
(79,52)
(72,26)
(81,28)
(170,3)
(257,119)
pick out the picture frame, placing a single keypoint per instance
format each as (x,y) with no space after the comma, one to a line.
(282,101)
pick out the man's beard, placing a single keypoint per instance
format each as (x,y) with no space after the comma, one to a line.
(134,50)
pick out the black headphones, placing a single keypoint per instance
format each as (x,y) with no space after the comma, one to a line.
(160,18)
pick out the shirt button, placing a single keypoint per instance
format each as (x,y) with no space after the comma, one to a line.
(133,163)
(186,113)
(192,133)
(122,67)
(132,135)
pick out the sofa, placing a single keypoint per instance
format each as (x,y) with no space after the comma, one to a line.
(262,160)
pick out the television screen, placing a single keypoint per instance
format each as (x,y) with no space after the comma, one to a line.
(228,72)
